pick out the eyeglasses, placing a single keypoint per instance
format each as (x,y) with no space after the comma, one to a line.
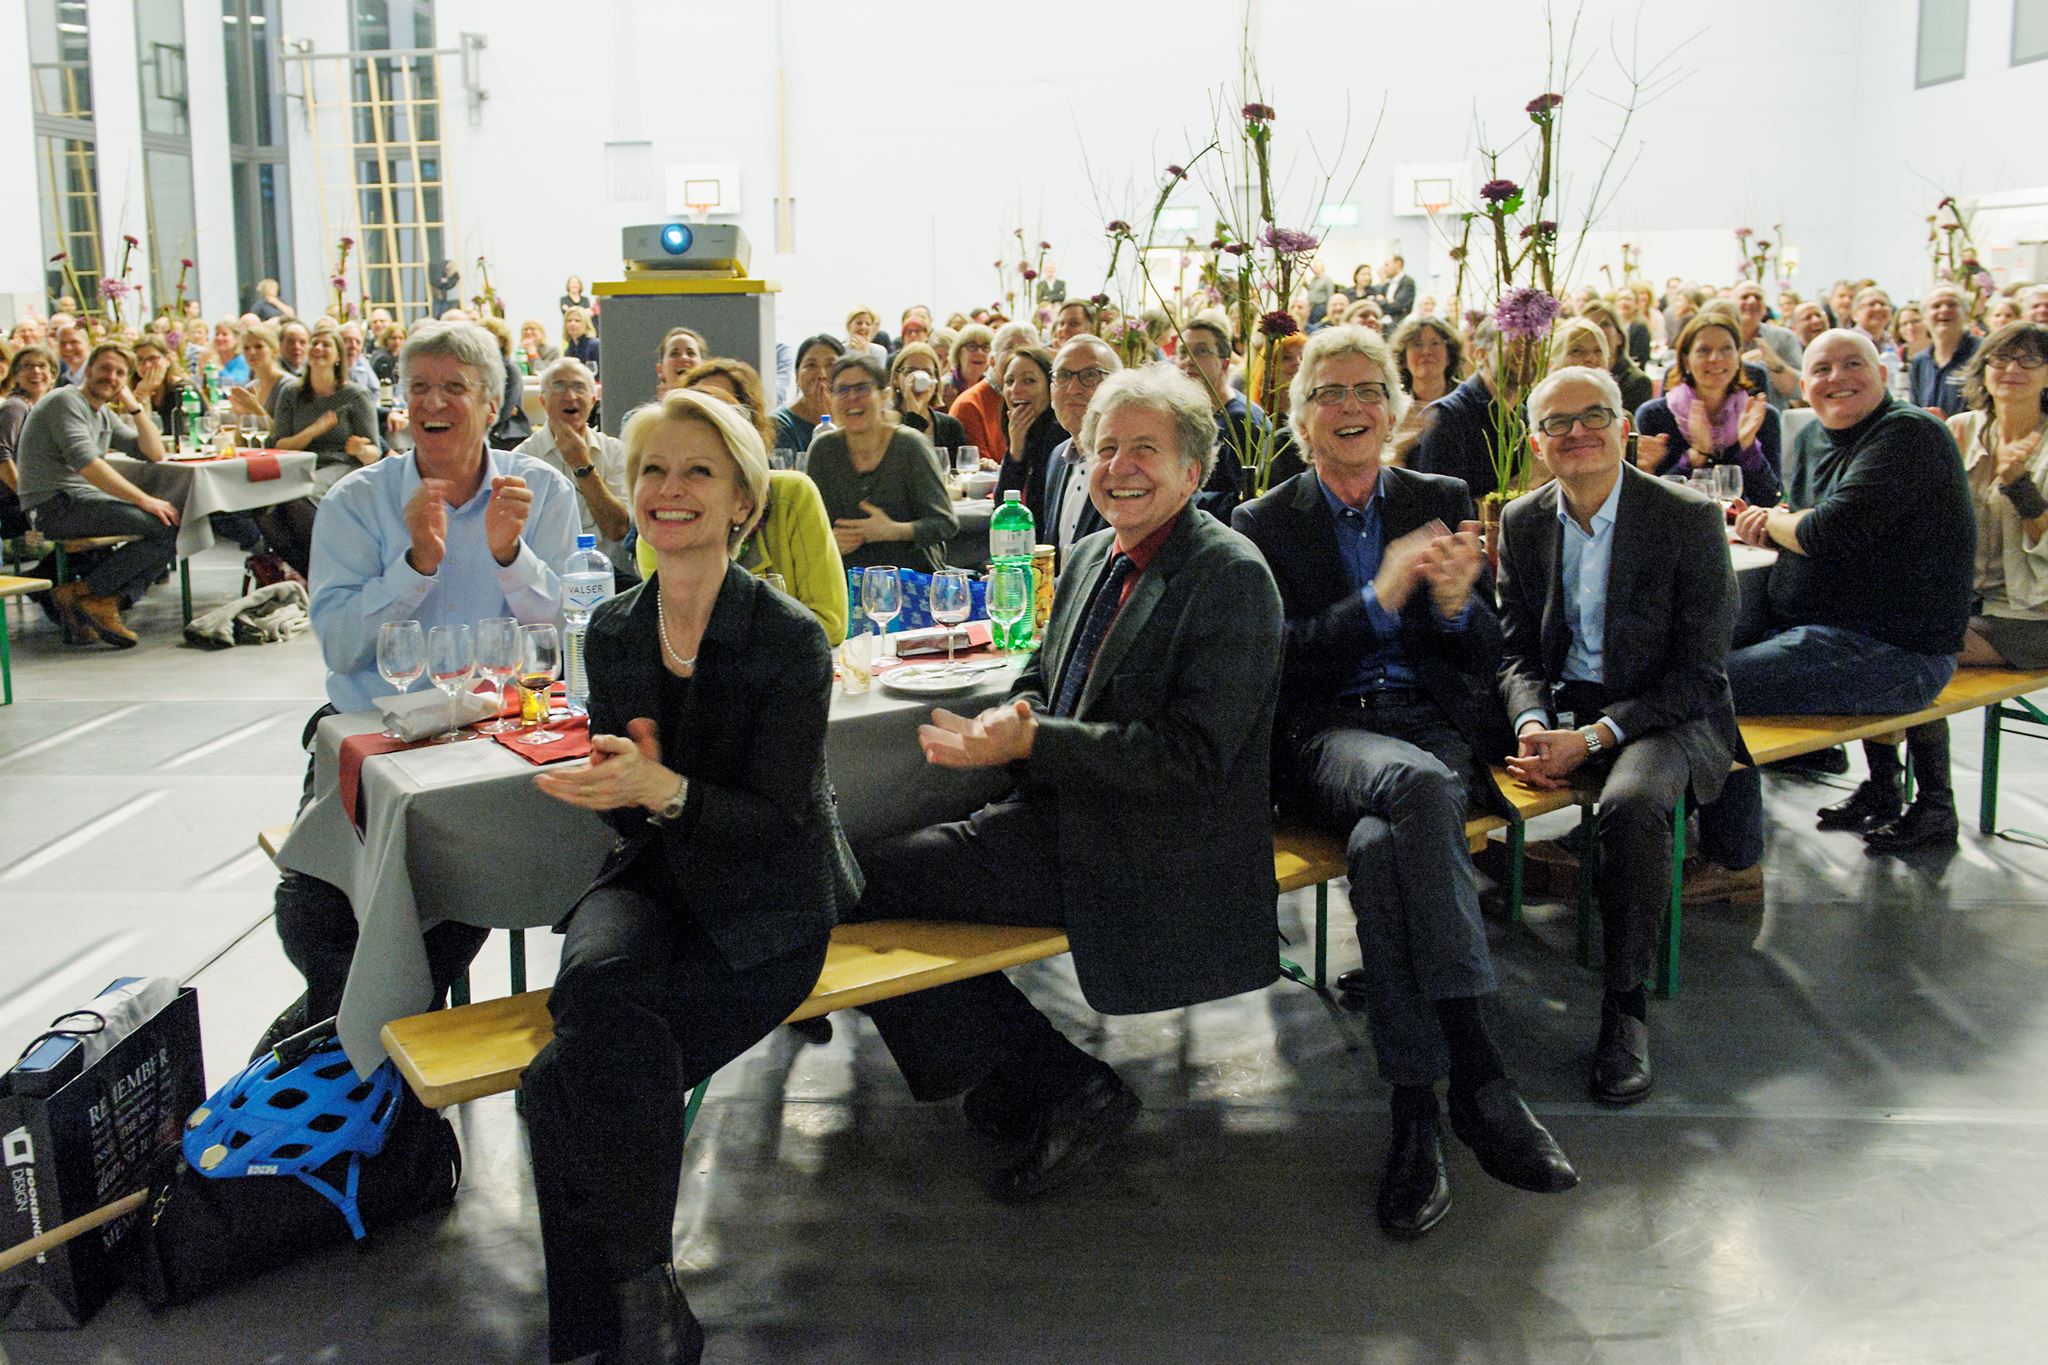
(1592,419)
(1333,395)
(1205,353)
(1087,378)
(576,386)
(978,347)
(849,393)
(2019,358)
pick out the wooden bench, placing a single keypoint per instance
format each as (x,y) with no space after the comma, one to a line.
(12,586)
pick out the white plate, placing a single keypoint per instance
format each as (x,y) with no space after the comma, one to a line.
(933,680)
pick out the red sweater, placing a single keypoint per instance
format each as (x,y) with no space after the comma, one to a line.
(982,412)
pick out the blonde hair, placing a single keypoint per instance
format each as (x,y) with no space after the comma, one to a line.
(1570,330)
(742,442)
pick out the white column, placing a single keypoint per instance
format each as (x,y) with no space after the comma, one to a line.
(117,124)
(21,230)
(213,191)
(325,26)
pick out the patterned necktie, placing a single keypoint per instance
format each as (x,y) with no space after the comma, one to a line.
(1102,609)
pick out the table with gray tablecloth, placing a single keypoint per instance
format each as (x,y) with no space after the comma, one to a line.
(1752,582)
(198,488)
(460,831)
(968,548)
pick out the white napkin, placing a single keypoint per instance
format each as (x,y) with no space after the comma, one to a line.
(421,715)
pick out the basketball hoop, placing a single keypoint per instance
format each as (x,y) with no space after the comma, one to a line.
(1434,209)
(698,213)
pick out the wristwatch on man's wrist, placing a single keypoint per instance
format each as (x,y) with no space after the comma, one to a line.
(672,809)
(1591,734)
(583,471)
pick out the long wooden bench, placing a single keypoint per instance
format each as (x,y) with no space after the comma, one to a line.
(12,585)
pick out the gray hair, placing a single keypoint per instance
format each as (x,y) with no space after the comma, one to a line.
(565,365)
(465,343)
(1539,397)
(1332,342)
(1854,335)
(1013,335)
(1162,388)
(1111,361)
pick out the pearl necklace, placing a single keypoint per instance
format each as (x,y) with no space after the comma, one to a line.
(661,622)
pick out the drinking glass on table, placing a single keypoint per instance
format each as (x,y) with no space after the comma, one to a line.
(1009,597)
(944,456)
(952,600)
(401,658)
(967,459)
(881,597)
(497,658)
(451,663)
(540,660)
(776,581)
(1727,482)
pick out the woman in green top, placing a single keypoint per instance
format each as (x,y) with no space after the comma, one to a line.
(880,480)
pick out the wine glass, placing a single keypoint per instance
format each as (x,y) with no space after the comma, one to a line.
(451,663)
(952,600)
(540,659)
(1009,597)
(881,597)
(776,581)
(401,658)
(944,456)
(497,658)
(967,459)
(1727,482)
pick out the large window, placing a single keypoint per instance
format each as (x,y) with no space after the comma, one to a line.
(2029,31)
(1944,27)
(394,128)
(166,146)
(66,149)
(256,146)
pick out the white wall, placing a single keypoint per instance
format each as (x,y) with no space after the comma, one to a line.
(21,234)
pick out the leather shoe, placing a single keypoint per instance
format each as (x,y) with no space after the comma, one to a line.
(104,615)
(1833,762)
(1621,1058)
(1415,1194)
(1922,826)
(1872,803)
(999,1108)
(1710,883)
(656,1326)
(1352,982)
(1067,1135)
(1511,1144)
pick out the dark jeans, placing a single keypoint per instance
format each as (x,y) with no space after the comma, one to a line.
(998,866)
(644,1008)
(317,926)
(288,527)
(1811,670)
(129,569)
(1394,775)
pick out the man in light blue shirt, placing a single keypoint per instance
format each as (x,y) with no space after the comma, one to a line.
(451,533)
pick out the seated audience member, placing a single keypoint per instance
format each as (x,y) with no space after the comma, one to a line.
(1871,312)
(258,397)
(323,412)
(1808,321)
(983,414)
(1077,373)
(1936,373)
(914,325)
(513,425)
(71,490)
(797,422)
(793,537)
(1458,436)
(967,360)
(535,346)
(1909,331)
(1631,309)
(1430,357)
(1634,385)
(448,534)
(594,463)
(31,373)
(1870,595)
(1385,723)
(74,345)
(1242,430)
(1577,342)
(879,480)
(269,307)
(1367,313)
(1332,310)
(355,360)
(861,325)
(579,337)
(160,383)
(1767,344)
(1076,317)
(1625,691)
(30,330)
(1033,428)
(574,297)
(227,352)
(1286,459)
(385,362)
(1156,680)
(708,923)
(1712,415)
(914,393)
(2005,458)
(682,349)
(2034,304)
(293,337)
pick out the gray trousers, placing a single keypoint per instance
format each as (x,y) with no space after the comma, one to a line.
(129,569)
(1638,800)
(1392,774)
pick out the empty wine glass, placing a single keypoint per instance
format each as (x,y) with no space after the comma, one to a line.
(944,456)
(967,459)
(952,600)
(540,660)
(881,597)
(497,658)
(451,663)
(401,658)
(1009,597)
(1728,482)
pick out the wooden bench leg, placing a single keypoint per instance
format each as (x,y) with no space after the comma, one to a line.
(1667,960)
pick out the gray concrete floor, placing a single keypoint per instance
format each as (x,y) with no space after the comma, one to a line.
(1841,1162)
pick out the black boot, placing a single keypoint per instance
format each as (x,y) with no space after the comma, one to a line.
(656,1326)
(1928,823)
(1871,804)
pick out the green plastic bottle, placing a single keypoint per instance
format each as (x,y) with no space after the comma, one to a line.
(1012,532)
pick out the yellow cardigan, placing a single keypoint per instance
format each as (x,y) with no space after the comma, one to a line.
(794,540)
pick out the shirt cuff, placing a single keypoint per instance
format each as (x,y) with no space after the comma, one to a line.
(409,584)
(1620,737)
(1385,624)
(1534,713)
(523,572)
(1452,623)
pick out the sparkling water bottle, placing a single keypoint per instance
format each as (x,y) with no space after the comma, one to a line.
(586,581)
(1012,535)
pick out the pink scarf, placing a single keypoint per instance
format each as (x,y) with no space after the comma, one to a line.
(1681,400)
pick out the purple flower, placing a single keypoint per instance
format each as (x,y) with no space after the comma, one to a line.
(1543,106)
(1098,299)
(1983,281)
(1177,172)
(1216,245)
(1742,234)
(1526,312)
(1945,273)
(1213,294)
(115,290)
(184,265)
(1499,191)
(1029,273)
(62,255)
(1045,246)
(131,239)
(1118,225)
(1544,229)
(1235,249)
(1473,316)
(1258,113)
(347,242)
(1278,323)
(1762,245)
(1290,241)
(339,282)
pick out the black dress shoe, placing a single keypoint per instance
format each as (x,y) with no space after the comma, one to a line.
(817,1030)
(1415,1194)
(1621,1058)
(1511,1145)
(656,1326)
(1067,1135)
(1352,982)
(1922,826)
(1871,804)
(1000,1108)
(1833,762)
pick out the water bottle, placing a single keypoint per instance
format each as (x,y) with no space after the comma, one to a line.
(1012,535)
(211,377)
(194,414)
(586,581)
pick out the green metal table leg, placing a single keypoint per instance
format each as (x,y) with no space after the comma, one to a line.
(1322,934)
(1517,837)
(518,964)
(63,564)
(1908,788)
(690,1110)
(1589,864)
(1987,800)
(185,589)
(1667,961)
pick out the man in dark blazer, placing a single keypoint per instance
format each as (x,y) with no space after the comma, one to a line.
(1617,603)
(1386,725)
(1395,291)
(1139,737)
(1077,372)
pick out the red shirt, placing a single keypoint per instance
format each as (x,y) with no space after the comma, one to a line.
(1145,551)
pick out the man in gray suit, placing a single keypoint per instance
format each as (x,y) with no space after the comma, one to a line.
(1617,602)
(1139,737)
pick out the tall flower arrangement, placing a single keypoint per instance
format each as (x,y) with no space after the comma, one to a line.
(1757,255)
(117,289)
(1955,256)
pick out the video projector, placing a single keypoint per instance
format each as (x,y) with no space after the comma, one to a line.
(698,248)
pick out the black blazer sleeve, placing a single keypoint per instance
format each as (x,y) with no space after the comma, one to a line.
(1524,589)
(1703,620)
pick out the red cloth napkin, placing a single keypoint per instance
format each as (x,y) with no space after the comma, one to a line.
(574,742)
(263,465)
(354,750)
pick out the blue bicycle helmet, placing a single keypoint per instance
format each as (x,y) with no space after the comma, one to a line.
(297,1118)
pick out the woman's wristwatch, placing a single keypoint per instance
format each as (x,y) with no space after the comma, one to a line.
(672,809)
